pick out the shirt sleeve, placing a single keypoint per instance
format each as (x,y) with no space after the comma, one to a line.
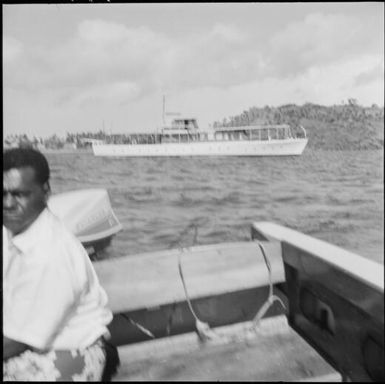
(44,298)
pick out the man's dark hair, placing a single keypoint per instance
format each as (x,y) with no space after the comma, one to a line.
(27,157)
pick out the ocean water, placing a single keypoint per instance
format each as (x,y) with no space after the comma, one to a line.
(337,196)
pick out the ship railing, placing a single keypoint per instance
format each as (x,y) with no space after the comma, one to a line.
(241,133)
(265,132)
(257,132)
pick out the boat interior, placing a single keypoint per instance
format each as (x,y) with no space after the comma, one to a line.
(283,306)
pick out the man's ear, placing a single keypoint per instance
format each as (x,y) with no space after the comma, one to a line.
(47,190)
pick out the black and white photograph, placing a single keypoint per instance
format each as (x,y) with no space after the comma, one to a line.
(193,191)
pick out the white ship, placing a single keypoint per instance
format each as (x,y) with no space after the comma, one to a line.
(182,137)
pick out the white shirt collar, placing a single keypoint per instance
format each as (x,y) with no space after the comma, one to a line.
(25,240)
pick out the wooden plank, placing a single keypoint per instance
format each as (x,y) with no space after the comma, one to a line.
(152,279)
(272,353)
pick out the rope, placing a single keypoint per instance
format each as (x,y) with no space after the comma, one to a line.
(271,297)
(185,288)
(203,329)
(137,325)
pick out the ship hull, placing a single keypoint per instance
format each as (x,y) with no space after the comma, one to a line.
(287,147)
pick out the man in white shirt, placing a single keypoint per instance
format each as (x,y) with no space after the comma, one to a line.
(55,313)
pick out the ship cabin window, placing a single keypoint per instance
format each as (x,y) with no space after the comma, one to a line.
(219,136)
(244,135)
(234,135)
(264,134)
(275,133)
(187,124)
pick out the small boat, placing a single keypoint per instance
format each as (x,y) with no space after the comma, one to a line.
(283,306)
(89,215)
(182,137)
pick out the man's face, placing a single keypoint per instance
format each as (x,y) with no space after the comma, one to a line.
(23,198)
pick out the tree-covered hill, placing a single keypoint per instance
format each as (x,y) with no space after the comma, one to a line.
(345,126)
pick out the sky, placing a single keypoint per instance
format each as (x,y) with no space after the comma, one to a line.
(86,67)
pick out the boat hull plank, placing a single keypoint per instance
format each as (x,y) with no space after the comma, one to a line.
(274,353)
